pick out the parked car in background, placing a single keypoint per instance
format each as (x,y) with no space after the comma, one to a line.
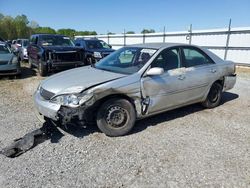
(9,42)
(22,49)
(9,64)
(94,48)
(14,46)
(135,82)
(51,51)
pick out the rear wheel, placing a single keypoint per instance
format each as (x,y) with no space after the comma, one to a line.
(42,69)
(116,117)
(214,96)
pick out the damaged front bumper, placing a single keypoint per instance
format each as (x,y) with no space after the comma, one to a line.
(56,112)
(45,108)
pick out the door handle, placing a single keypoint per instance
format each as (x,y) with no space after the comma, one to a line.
(181,77)
(213,70)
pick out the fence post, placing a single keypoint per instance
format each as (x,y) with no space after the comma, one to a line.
(190,34)
(124,38)
(164,31)
(108,38)
(228,38)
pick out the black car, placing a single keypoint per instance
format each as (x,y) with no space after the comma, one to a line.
(94,48)
(51,51)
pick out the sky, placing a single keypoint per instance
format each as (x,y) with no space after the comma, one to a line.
(132,15)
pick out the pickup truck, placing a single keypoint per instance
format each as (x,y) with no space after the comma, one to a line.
(51,51)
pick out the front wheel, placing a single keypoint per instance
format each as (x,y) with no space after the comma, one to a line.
(90,61)
(116,117)
(214,96)
(42,69)
(30,64)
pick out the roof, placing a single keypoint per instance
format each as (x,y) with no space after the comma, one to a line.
(88,38)
(49,34)
(157,45)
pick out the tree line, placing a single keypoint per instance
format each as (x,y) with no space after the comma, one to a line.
(20,27)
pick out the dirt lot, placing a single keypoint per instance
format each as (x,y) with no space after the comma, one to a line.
(188,147)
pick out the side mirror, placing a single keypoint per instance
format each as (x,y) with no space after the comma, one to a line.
(155,71)
(78,44)
(109,45)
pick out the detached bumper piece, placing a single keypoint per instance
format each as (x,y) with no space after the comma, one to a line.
(32,139)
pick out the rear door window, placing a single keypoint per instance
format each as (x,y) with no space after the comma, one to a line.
(194,57)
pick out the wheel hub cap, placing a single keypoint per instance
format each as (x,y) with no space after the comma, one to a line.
(116,116)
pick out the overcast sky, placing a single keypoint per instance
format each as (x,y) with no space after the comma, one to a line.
(132,15)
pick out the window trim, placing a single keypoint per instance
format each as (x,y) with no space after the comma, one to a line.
(200,51)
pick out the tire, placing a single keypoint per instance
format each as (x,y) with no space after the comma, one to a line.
(90,60)
(42,69)
(116,117)
(214,96)
(30,64)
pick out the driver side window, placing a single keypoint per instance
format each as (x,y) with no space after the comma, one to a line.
(168,59)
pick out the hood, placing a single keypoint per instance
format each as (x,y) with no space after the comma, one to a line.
(6,57)
(101,50)
(61,48)
(77,80)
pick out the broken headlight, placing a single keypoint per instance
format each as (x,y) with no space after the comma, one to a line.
(71,100)
(97,55)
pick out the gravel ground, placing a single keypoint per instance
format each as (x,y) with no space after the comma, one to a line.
(187,147)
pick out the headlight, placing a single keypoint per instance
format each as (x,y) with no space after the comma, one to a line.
(71,100)
(97,55)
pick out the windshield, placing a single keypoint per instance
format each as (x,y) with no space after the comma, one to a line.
(97,44)
(25,43)
(53,40)
(4,49)
(127,60)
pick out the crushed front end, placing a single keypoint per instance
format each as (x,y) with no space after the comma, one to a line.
(48,106)
(58,59)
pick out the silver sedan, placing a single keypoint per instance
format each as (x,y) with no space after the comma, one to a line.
(135,82)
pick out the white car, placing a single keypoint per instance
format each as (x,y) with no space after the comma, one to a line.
(135,82)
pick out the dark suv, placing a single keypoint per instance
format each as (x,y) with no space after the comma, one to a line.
(94,48)
(50,51)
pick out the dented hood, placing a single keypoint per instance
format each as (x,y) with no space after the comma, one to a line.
(77,80)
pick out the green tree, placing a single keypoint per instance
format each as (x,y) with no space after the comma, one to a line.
(67,32)
(22,29)
(130,32)
(8,28)
(148,31)
(110,33)
(33,24)
(46,30)
(1,16)
(84,33)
